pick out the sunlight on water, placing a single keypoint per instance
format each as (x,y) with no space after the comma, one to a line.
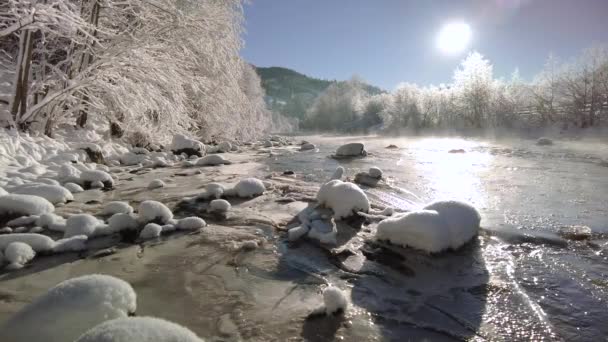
(452,175)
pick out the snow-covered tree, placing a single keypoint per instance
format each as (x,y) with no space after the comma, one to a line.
(473,81)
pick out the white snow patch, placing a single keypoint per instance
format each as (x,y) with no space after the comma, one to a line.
(334,300)
(81,224)
(116,207)
(219,206)
(150,211)
(18,254)
(73,187)
(337,175)
(249,187)
(68,173)
(139,329)
(191,223)
(461,219)
(155,184)
(375,172)
(53,193)
(48,181)
(95,176)
(25,205)
(214,190)
(36,230)
(121,221)
(343,198)
(150,231)
(212,160)
(73,306)
(38,242)
(167,228)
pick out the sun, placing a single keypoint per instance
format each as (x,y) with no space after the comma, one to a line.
(454,38)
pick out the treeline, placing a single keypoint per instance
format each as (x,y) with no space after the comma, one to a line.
(140,67)
(565,95)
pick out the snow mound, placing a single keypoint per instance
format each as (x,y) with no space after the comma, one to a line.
(343,198)
(94,177)
(52,222)
(121,221)
(307,147)
(214,190)
(22,221)
(38,242)
(461,219)
(75,243)
(212,160)
(224,147)
(375,172)
(81,224)
(71,308)
(139,329)
(116,207)
(191,223)
(48,181)
(182,144)
(131,158)
(153,211)
(351,150)
(53,193)
(155,184)
(35,169)
(25,205)
(150,231)
(249,187)
(18,254)
(36,230)
(73,187)
(219,206)
(337,175)
(68,173)
(167,228)
(334,300)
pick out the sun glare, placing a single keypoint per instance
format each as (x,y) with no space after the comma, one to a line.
(454,38)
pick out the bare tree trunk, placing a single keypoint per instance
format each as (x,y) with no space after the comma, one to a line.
(85,60)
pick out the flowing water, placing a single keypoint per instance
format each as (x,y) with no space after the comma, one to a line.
(523,280)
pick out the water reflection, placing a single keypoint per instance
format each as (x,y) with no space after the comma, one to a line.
(452,167)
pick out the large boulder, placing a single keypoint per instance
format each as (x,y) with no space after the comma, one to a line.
(351,150)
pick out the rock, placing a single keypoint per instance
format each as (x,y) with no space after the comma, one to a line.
(351,150)
(307,147)
(544,141)
(375,172)
(575,233)
(391,146)
(456,151)
(288,173)
(364,178)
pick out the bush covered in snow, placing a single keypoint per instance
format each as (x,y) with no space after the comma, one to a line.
(153,211)
(139,329)
(116,207)
(24,205)
(71,308)
(18,254)
(343,198)
(81,224)
(53,193)
(249,187)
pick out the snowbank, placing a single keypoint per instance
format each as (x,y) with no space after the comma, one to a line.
(71,308)
(153,211)
(150,231)
(334,300)
(139,329)
(212,160)
(343,198)
(249,187)
(116,207)
(191,223)
(24,205)
(53,193)
(18,254)
(81,224)
(38,242)
(69,174)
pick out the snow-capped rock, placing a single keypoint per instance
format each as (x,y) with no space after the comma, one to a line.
(298,232)
(47,181)
(122,221)
(22,221)
(343,198)
(337,175)
(150,231)
(182,144)
(6,230)
(219,206)
(71,308)
(68,173)
(24,205)
(53,193)
(73,187)
(92,177)
(191,223)
(140,329)
(323,231)
(38,242)
(351,150)
(36,230)
(153,211)
(334,300)
(155,184)
(224,147)
(51,221)
(116,207)
(375,172)
(75,243)
(461,219)
(544,141)
(214,190)
(212,160)
(249,187)
(81,224)
(167,228)
(18,254)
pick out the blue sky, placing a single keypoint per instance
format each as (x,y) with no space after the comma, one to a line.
(391,41)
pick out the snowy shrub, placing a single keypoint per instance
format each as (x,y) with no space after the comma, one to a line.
(343,198)
(73,187)
(38,242)
(73,306)
(155,184)
(249,187)
(334,300)
(116,207)
(140,329)
(53,193)
(18,254)
(153,211)
(81,224)
(24,205)
(150,231)
(191,223)
(212,160)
